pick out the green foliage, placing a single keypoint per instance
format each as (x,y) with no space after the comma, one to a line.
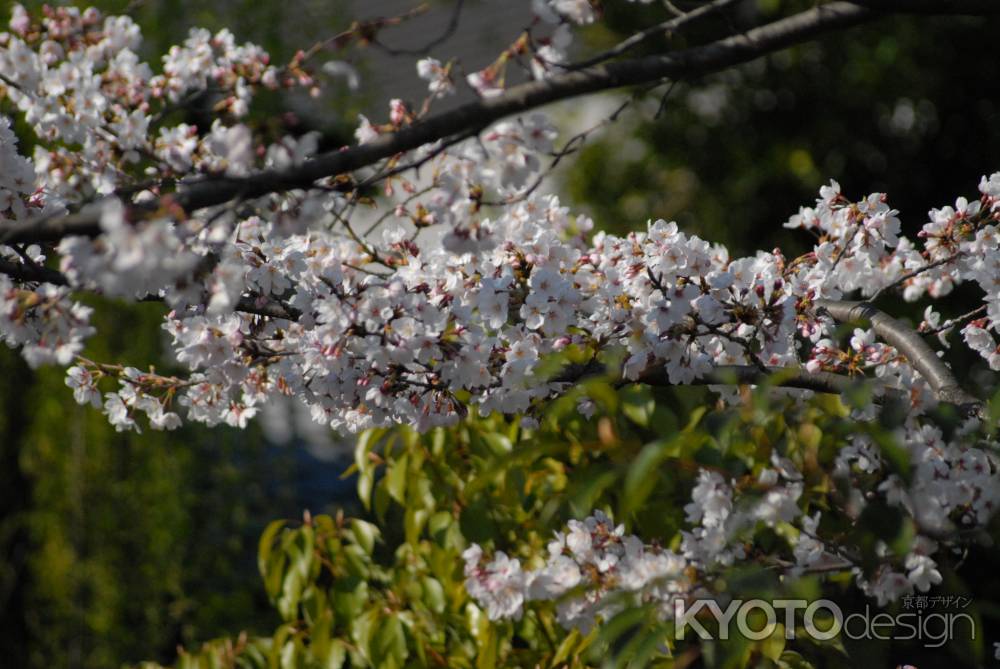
(387,591)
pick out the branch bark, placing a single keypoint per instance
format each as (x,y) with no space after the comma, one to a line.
(476,116)
(730,375)
(23,272)
(907,341)
(961,7)
(667,27)
(785,377)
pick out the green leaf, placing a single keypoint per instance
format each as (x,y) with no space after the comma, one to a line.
(362,631)
(637,404)
(365,534)
(413,524)
(388,645)
(792,660)
(335,655)
(438,525)
(499,444)
(396,477)
(603,393)
(773,646)
(486,657)
(644,472)
(433,594)
(348,597)
(566,647)
(266,545)
(366,479)
(366,468)
(589,487)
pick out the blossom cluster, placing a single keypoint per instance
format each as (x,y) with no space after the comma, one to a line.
(593,570)
(97,108)
(390,330)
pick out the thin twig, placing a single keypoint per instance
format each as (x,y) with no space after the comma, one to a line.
(449,30)
(843,249)
(674,24)
(909,275)
(957,320)
(390,210)
(572,145)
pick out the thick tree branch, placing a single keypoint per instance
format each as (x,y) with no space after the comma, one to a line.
(476,116)
(907,341)
(265,307)
(785,377)
(961,7)
(904,338)
(683,21)
(24,272)
(730,375)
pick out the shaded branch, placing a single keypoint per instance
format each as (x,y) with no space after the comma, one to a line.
(956,321)
(911,275)
(25,272)
(738,375)
(961,7)
(266,307)
(475,116)
(784,377)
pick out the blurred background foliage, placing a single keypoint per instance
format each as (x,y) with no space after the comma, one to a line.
(116,548)
(900,105)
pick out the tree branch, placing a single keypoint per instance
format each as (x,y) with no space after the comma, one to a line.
(907,341)
(730,375)
(25,272)
(912,274)
(449,30)
(896,333)
(476,116)
(961,7)
(784,377)
(669,26)
(265,307)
